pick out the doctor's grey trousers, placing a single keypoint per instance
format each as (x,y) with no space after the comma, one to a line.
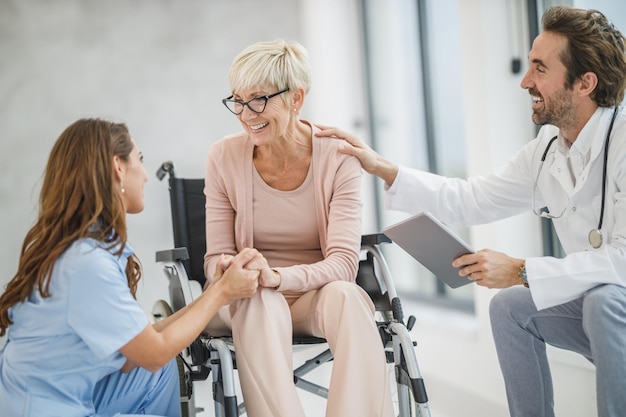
(593,326)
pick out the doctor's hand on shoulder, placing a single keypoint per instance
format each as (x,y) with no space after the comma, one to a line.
(371,161)
(490,269)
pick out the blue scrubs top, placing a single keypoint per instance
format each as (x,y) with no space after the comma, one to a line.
(59,347)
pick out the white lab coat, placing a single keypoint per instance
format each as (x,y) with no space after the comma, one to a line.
(570,183)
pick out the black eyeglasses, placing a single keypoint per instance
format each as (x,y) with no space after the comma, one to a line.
(257,104)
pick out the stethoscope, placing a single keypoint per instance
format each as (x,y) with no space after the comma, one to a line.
(595,235)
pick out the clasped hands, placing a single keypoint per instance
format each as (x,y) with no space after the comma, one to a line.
(244,273)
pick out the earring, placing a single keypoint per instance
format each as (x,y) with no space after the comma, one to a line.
(295,110)
(122,185)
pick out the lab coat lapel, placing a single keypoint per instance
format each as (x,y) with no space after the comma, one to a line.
(588,138)
(560,172)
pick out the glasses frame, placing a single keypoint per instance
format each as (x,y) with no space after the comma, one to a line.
(243,104)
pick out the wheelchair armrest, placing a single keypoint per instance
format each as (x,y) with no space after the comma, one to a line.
(172,255)
(374,239)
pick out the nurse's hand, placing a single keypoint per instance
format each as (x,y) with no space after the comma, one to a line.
(158,343)
(489,268)
(222,265)
(371,161)
(237,281)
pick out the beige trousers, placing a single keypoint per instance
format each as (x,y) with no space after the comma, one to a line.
(262,329)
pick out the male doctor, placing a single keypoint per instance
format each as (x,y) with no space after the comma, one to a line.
(574,173)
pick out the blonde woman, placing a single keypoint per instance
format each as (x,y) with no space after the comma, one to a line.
(279,189)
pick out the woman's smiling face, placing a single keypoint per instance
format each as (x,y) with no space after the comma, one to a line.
(268,125)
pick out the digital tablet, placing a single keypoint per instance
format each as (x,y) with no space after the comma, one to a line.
(432,244)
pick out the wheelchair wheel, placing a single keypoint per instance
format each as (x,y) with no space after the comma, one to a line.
(160,310)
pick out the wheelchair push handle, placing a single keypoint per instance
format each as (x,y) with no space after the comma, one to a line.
(166,167)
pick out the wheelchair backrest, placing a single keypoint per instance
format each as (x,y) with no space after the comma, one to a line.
(188,203)
(188,213)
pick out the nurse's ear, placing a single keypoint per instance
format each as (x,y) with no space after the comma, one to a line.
(119,169)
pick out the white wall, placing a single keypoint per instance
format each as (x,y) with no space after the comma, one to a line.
(161,66)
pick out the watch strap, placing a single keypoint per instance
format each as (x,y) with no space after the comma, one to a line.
(522,275)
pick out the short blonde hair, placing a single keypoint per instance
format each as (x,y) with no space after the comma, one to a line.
(277,63)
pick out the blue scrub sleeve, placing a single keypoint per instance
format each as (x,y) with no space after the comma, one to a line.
(101,310)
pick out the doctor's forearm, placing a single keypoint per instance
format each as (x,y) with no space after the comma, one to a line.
(386,170)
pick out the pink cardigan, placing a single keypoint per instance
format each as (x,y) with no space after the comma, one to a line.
(337,182)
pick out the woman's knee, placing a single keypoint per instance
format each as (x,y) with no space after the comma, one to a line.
(344,290)
(340,286)
(344,293)
(265,299)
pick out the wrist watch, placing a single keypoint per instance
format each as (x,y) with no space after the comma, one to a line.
(522,275)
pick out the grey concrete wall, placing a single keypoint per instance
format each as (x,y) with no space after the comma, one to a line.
(158,65)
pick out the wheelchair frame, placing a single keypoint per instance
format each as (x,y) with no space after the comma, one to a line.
(215,355)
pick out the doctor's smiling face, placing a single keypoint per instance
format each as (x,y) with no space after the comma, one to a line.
(546,81)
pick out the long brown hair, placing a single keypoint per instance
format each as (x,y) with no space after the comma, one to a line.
(80,197)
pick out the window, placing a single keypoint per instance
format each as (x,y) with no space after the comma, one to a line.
(413,72)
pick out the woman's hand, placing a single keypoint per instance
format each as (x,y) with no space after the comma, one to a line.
(158,343)
(371,161)
(268,277)
(238,280)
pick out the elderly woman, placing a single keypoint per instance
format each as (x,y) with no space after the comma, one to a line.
(291,196)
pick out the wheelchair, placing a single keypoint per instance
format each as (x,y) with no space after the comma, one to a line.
(214,356)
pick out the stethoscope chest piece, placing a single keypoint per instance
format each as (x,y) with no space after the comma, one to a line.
(595,238)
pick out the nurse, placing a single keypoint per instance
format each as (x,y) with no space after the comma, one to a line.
(575,168)
(78,343)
